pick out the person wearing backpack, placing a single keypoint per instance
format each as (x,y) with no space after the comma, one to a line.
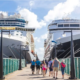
(50,67)
(63,65)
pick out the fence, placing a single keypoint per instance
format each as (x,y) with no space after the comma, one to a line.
(77,66)
(11,65)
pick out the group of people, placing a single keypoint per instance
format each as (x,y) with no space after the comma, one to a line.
(53,67)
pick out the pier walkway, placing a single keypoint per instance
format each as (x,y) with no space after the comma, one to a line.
(25,74)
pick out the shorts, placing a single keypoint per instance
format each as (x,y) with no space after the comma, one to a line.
(32,67)
(55,69)
(43,68)
(50,69)
(37,67)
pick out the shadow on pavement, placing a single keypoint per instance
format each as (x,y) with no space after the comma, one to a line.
(36,77)
(28,75)
(54,79)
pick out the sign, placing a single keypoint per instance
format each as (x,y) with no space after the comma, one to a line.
(17,28)
(7,28)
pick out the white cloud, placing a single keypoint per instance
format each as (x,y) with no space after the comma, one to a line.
(61,10)
(31,18)
(31,3)
(44,36)
(37,39)
(5,14)
(40,53)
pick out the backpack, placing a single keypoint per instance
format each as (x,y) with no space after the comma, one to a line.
(63,65)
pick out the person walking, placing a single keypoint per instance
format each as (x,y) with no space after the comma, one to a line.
(50,67)
(63,65)
(44,67)
(41,67)
(38,63)
(33,66)
(55,68)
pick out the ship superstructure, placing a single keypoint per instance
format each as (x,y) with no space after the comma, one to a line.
(63,40)
(13,40)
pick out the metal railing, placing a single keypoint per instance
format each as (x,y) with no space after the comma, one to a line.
(11,65)
(77,66)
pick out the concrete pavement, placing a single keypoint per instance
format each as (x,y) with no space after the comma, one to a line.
(25,74)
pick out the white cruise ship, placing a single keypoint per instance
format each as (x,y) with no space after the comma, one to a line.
(63,40)
(20,36)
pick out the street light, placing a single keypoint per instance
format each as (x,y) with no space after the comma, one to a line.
(72,57)
(26,50)
(20,68)
(1,56)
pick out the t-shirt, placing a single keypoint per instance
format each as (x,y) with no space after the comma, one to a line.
(46,63)
(38,63)
(33,63)
(55,63)
(49,63)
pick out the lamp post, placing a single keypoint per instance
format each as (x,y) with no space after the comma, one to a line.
(20,68)
(1,56)
(25,57)
(72,57)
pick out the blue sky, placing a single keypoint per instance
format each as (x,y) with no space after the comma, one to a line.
(40,13)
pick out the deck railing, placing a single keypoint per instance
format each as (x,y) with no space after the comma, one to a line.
(11,65)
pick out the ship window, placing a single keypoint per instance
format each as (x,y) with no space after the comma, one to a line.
(74,25)
(66,25)
(60,25)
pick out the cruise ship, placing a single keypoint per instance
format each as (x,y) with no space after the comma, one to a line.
(62,39)
(20,38)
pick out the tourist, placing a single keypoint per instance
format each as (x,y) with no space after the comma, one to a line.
(50,67)
(46,64)
(41,68)
(33,66)
(44,67)
(55,68)
(63,68)
(38,66)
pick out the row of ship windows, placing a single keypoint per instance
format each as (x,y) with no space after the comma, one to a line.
(68,25)
(17,34)
(11,23)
